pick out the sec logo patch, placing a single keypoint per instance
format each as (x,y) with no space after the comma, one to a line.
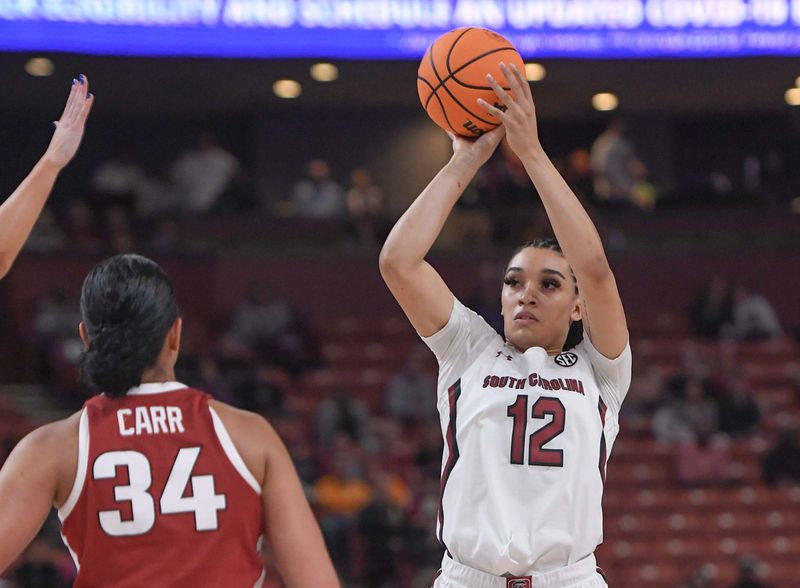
(566,359)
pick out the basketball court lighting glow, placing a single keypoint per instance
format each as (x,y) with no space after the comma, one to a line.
(535,72)
(792,96)
(605,101)
(324,72)
(39,67)
(286,89)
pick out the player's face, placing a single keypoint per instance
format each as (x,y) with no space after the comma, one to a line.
(539,300)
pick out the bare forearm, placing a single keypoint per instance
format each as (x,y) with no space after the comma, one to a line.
(19,212)
(571,224)
(416,231)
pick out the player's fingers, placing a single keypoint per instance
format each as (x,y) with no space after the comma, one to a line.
(80,94)
(493,110)
(523,82)
(70,99)
(496,134)
(86,109)
(515,82)
(75,105)
(501,93)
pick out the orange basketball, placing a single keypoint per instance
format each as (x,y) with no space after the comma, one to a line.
(452,76)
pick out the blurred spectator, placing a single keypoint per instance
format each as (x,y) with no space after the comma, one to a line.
(267,325)
(166,237)
(81,229)
(699,409)
(704,459)
(340,495)
(46,236)
(669,424)
(211,380)
(485,298)
(45,563)
(507,195)
(203,174)
(578,174)
(298,438)
(341,414)
(711,308)
(470,222)
(781,464)
(748,573)
(411,393)
(365,208)
(157,196)
(686,412)
(119,231)
(318,196)
(428,456)
(261,390)
(647,386)
(792,371)
(381,525)
(116,180)
(617,169)
(702,577)
(55,336)
(39,567)
(753,317)
(738,412)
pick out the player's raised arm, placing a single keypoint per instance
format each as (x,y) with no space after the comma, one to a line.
(19,212)
(603,315)
(421,292)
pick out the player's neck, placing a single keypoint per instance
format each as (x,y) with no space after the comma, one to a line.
(158,374)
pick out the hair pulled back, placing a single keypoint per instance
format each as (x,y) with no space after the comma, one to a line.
(128,305)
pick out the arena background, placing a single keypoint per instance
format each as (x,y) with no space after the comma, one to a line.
(285,312)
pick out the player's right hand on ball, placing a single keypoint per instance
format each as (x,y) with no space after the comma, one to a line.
(69,128)
(477,151)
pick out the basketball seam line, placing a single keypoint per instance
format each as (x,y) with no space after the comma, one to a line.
(452,75)
(444,111)
(470,62)
(456,100)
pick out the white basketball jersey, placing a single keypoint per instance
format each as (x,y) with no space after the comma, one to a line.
(527,437)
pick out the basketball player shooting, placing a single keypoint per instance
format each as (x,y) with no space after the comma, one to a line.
(19,212)
(528,419)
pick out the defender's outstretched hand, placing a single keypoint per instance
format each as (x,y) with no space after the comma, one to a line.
(19,212)
(519,117)
(69,128)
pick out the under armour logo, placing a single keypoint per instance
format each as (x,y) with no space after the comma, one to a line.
(566,359)
(518,582)
(508,357)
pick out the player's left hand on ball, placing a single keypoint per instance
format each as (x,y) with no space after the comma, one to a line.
(69,128)
(478,150)
(519,118)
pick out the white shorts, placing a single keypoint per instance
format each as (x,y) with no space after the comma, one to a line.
(582,574)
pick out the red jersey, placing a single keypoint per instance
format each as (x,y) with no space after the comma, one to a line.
(161,495)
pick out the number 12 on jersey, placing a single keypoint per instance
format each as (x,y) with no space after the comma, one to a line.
(204,502)
(537,454)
